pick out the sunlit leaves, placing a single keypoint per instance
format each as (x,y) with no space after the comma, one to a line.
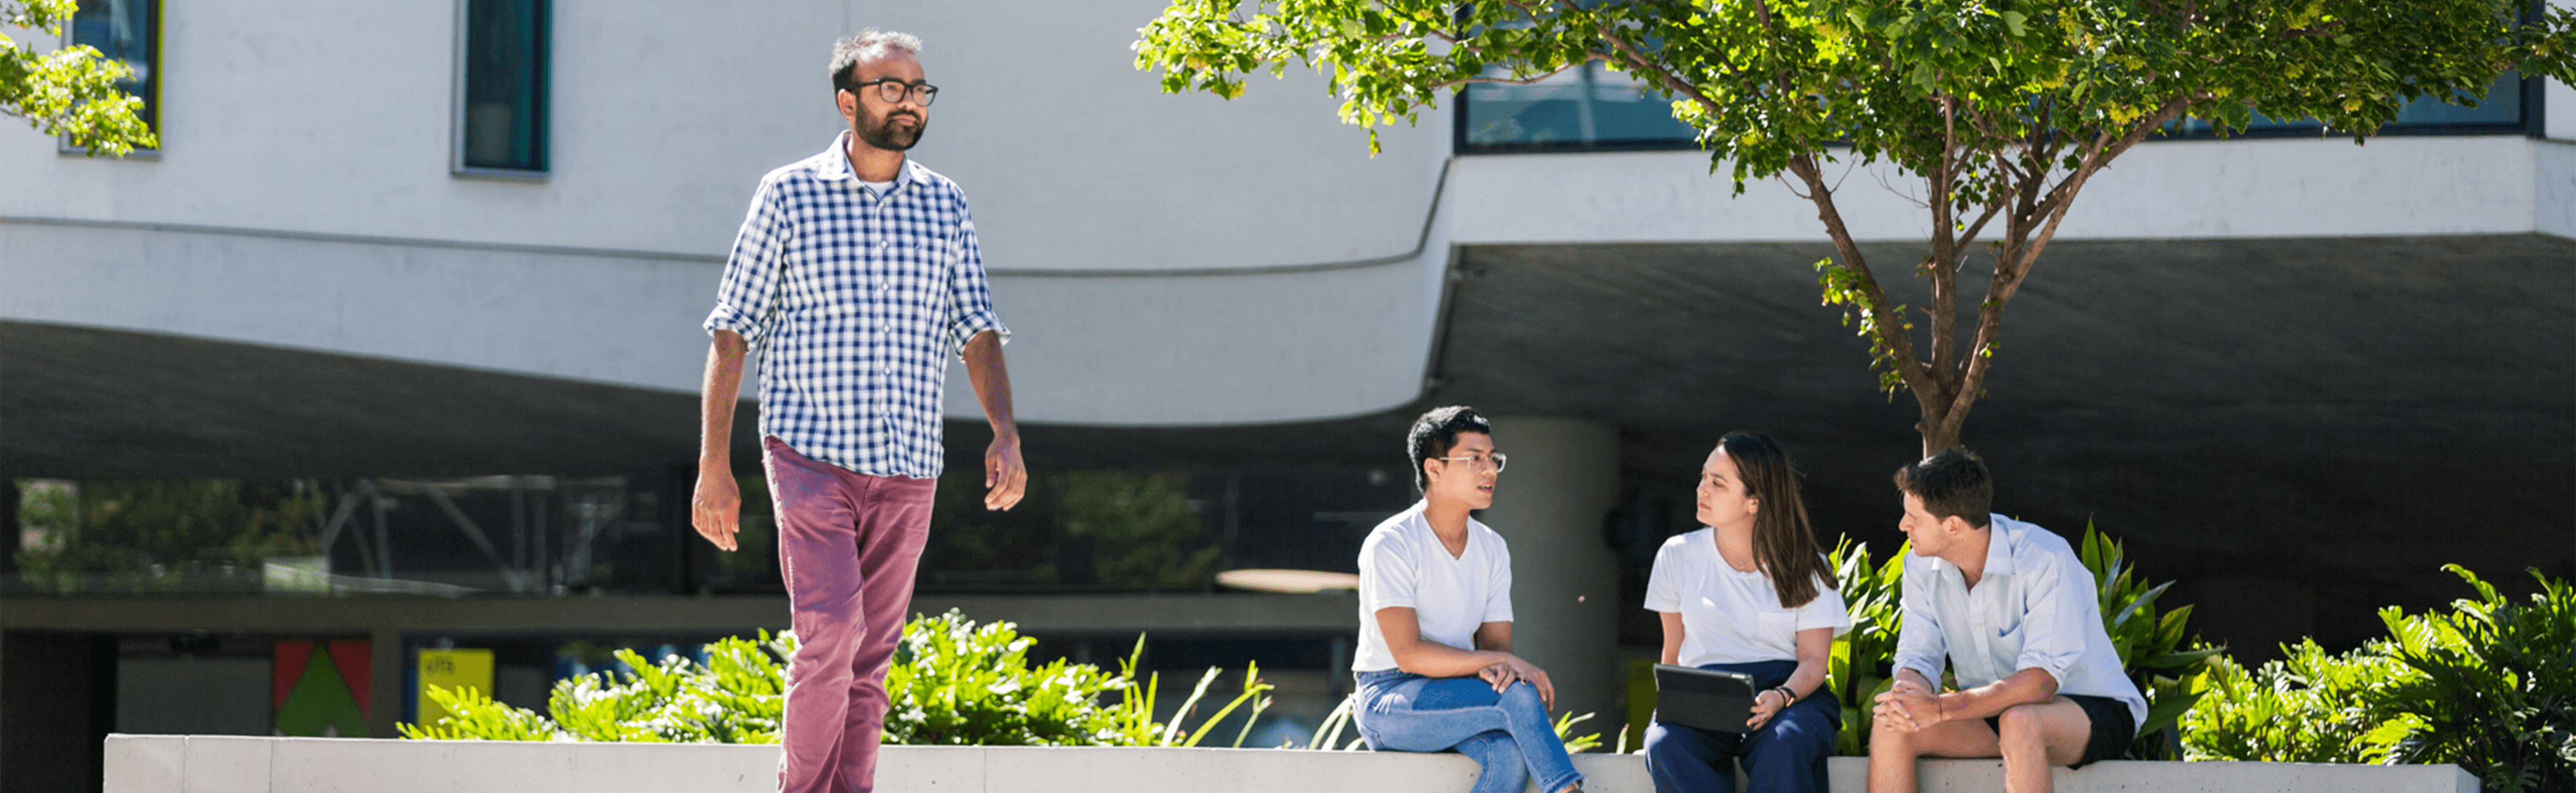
(70,91)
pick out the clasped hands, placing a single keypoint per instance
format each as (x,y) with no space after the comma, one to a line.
(1907,707)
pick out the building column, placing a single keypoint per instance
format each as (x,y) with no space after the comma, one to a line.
(1549,505)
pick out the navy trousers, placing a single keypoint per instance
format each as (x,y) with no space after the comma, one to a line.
(1787,755)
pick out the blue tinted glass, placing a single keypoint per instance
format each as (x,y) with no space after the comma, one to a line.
(129,31)
(505,84)
(1594,107)
(1587,106)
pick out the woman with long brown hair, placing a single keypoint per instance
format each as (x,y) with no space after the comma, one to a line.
(1749,594)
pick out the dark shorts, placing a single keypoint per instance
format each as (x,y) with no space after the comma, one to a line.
(2113,728)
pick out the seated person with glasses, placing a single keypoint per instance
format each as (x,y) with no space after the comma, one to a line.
(1749,594)
(2014,614)
(1435,666)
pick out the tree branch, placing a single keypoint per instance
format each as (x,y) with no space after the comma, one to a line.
(1890,325)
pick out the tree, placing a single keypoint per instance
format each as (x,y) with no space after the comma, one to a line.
(70,91)
(2004,108)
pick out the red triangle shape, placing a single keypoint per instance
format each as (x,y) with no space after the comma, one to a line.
(291,655)
(355,660)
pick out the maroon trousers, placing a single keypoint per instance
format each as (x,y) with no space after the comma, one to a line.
(847,547)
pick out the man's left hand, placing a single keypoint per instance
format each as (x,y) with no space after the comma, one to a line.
(1004,474)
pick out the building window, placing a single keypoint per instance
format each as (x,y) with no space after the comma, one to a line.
(129,31)
(501,86)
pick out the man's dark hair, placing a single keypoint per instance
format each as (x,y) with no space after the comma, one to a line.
(1436,433)
(867,45)
(1952,482)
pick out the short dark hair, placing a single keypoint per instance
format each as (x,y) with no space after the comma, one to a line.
(1951,482)
(867,45)
(1436,433)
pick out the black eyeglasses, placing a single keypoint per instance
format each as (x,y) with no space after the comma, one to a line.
(893,90)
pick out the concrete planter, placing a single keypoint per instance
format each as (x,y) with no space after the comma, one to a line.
(228,764)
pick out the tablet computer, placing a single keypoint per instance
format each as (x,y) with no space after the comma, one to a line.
(1705,699)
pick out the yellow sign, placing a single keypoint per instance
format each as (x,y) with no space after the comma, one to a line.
(450,669)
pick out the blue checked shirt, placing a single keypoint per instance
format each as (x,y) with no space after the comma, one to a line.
(856,302)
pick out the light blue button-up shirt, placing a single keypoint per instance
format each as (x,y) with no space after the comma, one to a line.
(2035,607)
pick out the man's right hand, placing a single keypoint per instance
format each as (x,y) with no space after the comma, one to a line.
(716,509)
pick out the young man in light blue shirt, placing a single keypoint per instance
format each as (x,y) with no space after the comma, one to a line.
(2014,614)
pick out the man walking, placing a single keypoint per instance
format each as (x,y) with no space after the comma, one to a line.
(2013,613)
(857,273)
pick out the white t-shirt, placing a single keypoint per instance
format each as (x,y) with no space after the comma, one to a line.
(1731,617)
(1403,564)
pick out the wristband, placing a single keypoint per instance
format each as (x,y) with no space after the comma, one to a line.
(1789,697)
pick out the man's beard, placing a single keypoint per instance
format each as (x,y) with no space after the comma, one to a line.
(885,135)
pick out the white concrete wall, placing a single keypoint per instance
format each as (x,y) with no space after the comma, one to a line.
(201,764)
(2163,190)
(1148,249)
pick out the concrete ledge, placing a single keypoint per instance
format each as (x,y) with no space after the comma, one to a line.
(228,764)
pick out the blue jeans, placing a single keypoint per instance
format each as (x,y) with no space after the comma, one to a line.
(1507,734)
(1787,755)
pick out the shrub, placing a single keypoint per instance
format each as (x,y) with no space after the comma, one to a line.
(952,682)
(1864,658)
(2494,690)
(2309,707)
(2486,685)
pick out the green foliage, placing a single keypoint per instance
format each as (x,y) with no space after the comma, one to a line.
(2004,108)
(953,682)
(2310,707)
(142,535)
(2151,646)
(1863,659)
(70,91)
(2166,664)
(1140,528)
(2494,691)
(2486,686)
(1132,719)
(957,683)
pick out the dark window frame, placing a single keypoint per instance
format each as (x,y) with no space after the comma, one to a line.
(156,17)
(541,156)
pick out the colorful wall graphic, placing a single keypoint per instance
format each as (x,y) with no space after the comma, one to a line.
(452,669)
(321,694)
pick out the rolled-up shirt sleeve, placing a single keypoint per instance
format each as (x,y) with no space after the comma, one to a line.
(1919,643)
(750,283)
(2060,602)
(970,293)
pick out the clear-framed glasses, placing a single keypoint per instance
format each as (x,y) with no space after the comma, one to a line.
(1481,461)
(893,91)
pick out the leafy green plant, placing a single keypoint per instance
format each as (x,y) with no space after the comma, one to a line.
(1863,659)
(2311,706)
(952,682)
(2485,685)
(1132,719)
(2152,648)
(2494,690)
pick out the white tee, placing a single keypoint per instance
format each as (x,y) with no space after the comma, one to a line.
(1732,617)
(1403,564)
